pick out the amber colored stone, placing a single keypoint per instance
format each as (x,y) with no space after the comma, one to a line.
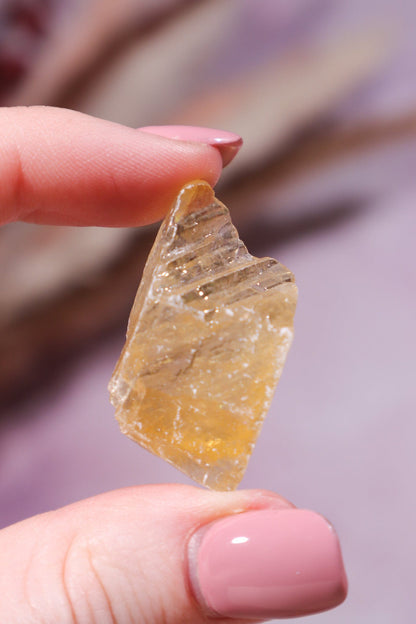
(207,339)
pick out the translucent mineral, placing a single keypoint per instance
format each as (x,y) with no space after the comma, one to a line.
(207,339)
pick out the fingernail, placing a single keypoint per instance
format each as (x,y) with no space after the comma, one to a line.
(267,564)
(227,143)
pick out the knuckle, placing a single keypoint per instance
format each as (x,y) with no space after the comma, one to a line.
(62,583)
(39,582)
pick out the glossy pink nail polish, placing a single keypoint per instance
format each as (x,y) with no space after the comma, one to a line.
(268,564)
(227,143)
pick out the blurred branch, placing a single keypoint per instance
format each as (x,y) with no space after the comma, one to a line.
(314,152)
(86,31)
(279,100)
(37,345)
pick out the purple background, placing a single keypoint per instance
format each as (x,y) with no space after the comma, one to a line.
(341,433)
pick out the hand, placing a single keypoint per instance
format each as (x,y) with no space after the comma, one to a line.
(155,554)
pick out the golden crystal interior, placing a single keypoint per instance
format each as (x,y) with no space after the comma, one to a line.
(206,343)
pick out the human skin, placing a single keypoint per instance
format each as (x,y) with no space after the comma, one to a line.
(122,557)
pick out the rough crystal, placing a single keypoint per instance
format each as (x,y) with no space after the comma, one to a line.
(207,339)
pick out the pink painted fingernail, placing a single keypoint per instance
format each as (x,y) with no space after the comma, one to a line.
(227,143)
(268,564)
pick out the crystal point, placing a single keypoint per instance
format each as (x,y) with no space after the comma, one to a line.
(207,339)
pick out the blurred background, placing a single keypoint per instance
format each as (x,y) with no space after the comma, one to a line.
(324,95)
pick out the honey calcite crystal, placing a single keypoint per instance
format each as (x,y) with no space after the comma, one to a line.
(207,339)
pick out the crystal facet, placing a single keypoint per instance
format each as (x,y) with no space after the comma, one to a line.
(207,339)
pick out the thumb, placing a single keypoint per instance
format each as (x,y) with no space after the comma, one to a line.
(169,554)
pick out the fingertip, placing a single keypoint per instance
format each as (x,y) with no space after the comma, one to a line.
(226,143)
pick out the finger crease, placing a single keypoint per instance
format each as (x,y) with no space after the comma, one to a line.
(13,173)
(65,586)
(103,589)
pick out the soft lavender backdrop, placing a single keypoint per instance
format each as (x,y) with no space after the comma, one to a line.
(341,433)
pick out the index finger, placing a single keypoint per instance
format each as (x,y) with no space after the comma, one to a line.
(63,167)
